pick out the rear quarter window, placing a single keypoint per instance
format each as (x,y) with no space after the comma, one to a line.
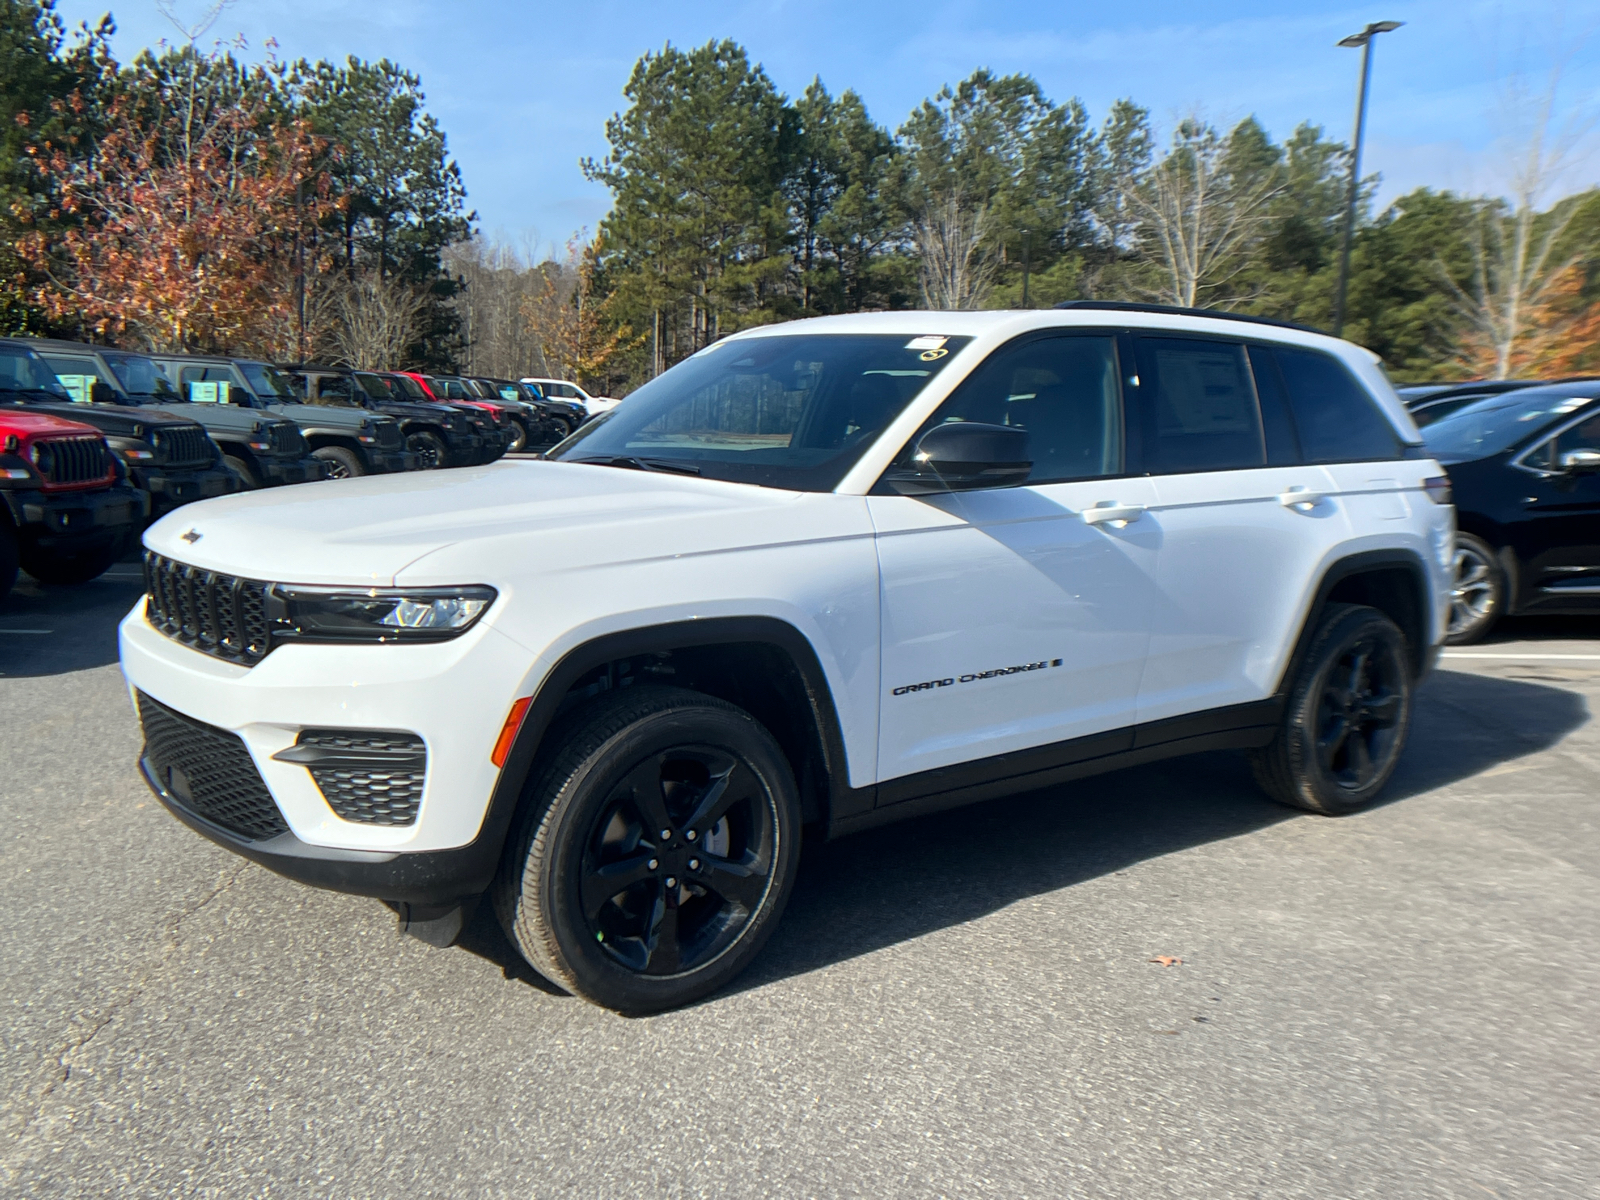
(1337,420)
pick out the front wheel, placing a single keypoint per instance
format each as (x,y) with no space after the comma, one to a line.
(1478,595)
(1346,718)
(248,482)
(655,852)
(519,436)
(339,462)
(66,568)
(429,449)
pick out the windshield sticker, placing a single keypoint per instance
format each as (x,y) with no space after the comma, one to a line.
(208,391)
(975,676)
(79,387)
(927,342)
(932,355)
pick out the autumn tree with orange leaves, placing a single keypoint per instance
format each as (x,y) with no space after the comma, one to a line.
(183,220)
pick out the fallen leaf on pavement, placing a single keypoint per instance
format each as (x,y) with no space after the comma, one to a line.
(1166,960)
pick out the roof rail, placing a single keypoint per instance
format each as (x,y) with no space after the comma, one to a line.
(1174,310)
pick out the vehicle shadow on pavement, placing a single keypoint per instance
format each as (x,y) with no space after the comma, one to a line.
(56,630)
(890,885)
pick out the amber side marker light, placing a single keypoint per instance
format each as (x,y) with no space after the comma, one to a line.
(508,731)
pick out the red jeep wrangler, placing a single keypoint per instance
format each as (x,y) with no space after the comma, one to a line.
(66,509)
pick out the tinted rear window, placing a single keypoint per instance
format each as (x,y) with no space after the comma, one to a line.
(1337,420)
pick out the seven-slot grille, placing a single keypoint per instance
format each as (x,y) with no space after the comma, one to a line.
(208,771)
(373,778)
(65,461)
(183,445)
(216,614)
(389,435)
(286,440)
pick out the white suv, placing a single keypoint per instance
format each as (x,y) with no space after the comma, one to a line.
(561,389)
(833,573)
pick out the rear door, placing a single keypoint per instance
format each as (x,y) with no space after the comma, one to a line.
(1243,524)
(1009,620)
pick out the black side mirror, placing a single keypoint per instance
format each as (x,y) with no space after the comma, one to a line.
(963,456)
(101,392)
(1581,462)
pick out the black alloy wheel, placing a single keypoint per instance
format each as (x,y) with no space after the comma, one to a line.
(338,463)
(1346,718)
(247,476)
(428,449)
(1478,592)
(656,851)
(562,427)
(519,435)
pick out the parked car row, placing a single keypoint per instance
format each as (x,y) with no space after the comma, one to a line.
(115,439)
(1524,463)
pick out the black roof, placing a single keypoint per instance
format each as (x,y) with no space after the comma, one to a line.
(1174,310)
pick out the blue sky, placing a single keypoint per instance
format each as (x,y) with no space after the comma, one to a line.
(524,89)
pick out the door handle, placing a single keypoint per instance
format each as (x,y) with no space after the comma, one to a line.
(1109,512)
(1300,498)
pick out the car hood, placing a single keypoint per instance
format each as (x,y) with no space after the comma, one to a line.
(368,530)
(326,415)
(113,419)
(216,416)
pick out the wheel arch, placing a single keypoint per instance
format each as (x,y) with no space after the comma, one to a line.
(1395,582)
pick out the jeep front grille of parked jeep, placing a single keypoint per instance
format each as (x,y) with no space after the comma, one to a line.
(66,461)
(367,777)
(208,771)
(216,614)
(389,436)
(183,446)
(286,440)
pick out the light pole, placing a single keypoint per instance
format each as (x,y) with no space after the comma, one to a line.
(1364,40)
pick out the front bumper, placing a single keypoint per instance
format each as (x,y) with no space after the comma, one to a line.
(171,487)
(61,518)
(276,471)
(390,462)
(453,695)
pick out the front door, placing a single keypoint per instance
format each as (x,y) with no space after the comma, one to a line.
(1558,537)
(1009,620)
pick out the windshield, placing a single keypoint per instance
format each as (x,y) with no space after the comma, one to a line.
(409,386)
(790,411)
(268,382)
(1499,422)
(23,371)
(373,386)
(140,377)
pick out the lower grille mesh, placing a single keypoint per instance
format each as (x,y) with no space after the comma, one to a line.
(208,771)
(370,778)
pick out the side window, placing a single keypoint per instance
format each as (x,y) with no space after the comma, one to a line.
(77,375)
(1198,407)
(1336,418)
(334,387)
(1063,391)
(1583,436)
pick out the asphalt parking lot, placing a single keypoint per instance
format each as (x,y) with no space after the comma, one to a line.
(1400,1003)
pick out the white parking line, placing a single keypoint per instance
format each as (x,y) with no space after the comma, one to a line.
(1525,657)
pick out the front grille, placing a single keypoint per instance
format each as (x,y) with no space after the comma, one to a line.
(65,461)
(286,440)
(389,437)
(370,778)
(208,771)
(183,446)
(217,614)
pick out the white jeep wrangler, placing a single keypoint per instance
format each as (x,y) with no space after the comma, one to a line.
(831,574)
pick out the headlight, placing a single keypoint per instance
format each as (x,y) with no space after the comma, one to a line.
(376,614)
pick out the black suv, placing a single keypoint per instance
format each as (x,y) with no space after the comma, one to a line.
(261,449)
(169,457)
(437,435)
(1525,468)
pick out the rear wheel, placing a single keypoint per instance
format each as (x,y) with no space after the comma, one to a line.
(8,559)
(1347,716)
(1479,594)
(561,427)
(519,435)
(429,449)
(339,462)
(68,567)
(655,852)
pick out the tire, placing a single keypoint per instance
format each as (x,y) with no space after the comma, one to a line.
(67,569)
(1479,598)
(244,472)
(562,428)
(340,463)
(8,559)
(430,449)
(1347,716)
(638,758)
(519,435)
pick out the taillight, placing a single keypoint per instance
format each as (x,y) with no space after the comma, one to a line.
(1438,489)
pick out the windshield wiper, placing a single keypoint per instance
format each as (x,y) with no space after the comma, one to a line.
(639,464)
